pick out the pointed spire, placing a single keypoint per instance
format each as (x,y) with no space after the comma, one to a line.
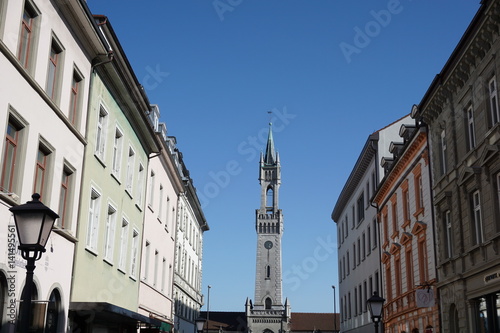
(270,155)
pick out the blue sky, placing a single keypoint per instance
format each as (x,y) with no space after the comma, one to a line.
(331,72)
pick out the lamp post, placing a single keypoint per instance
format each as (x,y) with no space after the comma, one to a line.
(34,223)
(200,322)
(208,305)
(334,311)
(375,305)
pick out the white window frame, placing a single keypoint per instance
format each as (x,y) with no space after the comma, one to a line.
(477,218)
(93,221)
(117,152)
(493,97)
(123,244)
(109,237)
(134,253)
(129,181)
(448,233)
(140,184)
(101,133)
(471,132)
(152,185)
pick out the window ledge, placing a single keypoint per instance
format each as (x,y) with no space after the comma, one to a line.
(100,160)
(91,251)
(115,177)
(65,233)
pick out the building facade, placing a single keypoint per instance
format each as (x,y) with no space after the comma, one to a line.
(404,206)
(358,232)
(46,50)
(113,196)
(267,313)
(462,112)
(158,254)
(191,224)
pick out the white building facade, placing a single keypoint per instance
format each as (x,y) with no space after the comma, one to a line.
(358,232)
(46,49)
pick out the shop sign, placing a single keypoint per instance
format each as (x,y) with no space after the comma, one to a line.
(492,277)
(425,298)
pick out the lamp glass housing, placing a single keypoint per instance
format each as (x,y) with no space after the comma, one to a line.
(200,322)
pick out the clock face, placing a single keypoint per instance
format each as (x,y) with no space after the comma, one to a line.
(268,245)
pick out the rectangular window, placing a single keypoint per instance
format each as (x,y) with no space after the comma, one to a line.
(11,168)
(397,273)
(163,274)
(409,269)
(369,239)
(65,195)
(140,184)
(348,263)
(117,152)
(492,88)
(151,189)
(109,237)
(100,142)
(130,170)
(361,207)
(354,255)
(93,222)
(147,254)
(422,261)
(449,240)
(355,301)
(160,206)
(406,205)
(363,242)
(135,249)
(27,36)
(155,277)
(41,170)
(54,70)
(375,240)
(471,132)
(123,245)
(394,208)
(75,103)
(443,152)
(477,224)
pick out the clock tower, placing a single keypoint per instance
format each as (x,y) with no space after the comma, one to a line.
(267,313)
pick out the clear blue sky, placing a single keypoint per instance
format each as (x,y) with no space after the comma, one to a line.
(332,72)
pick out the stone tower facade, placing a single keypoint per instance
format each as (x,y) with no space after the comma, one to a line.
(268,313)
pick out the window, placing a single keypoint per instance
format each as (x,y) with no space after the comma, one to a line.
(160,206)
(100,142)
(355,301)
(354,255)
(492,87)
(471,133)
(442,150)
(388,282)
(75,102)
(477,227)
(135,249)
(409,268)
(419,191)
(348,263)
(397,273)
(375,240)
(163,274)
(64,220)
(29,29)
(369,239)
(123,245)
(363,242)
(117,152)
(448,240)
(269,198)
(147,254)
(361,207)
(140,184)
(151,189)
(41,170)
(109,237)
(130,170)
(422,261)
(11,169)
(406,203)
(394,208)
(93,223)
(54,70)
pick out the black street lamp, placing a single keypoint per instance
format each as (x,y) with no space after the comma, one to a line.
(208,305)
(34,223)
(375,305)
(334,311)
(200,322)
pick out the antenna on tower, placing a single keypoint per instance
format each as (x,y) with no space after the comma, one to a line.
(270,115)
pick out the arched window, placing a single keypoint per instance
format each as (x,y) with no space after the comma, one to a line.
(3,301)
(55,314)
(268,303)
(269,197)
(453,319)
(268,272)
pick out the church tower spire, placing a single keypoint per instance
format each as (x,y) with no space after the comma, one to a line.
(268,314)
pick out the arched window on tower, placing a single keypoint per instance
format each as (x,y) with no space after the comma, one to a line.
(268,303)
(269,199)
(268,272)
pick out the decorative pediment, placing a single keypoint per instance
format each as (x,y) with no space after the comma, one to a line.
(386,257)
(406,238)
(395,247)
(489,152)
(419,227)
(467,173)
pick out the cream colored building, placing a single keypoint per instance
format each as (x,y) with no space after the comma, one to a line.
(46,50)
